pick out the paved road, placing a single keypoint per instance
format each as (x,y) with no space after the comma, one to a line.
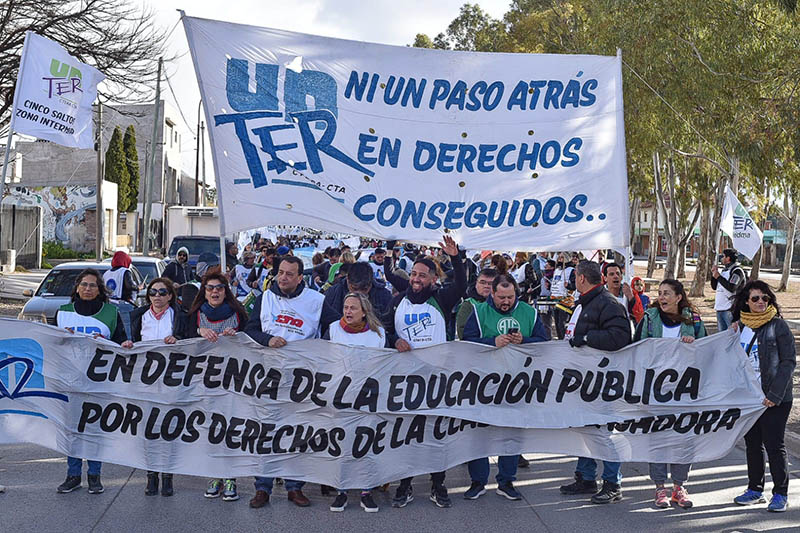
(12,285)
(31,504)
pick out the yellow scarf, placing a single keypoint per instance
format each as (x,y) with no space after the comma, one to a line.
(756,320)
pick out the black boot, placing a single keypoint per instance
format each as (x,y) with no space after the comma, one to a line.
(166,485)
(152,484)
(610,493)
(580,486)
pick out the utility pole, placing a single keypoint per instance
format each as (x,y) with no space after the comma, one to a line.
(99,212)
(148,185)
(197,159)
(203,157)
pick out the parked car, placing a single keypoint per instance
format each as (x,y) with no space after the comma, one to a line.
(149,268)
(196,244)
(55,289)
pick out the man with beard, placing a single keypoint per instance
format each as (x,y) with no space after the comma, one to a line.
(499,321)
(418,317)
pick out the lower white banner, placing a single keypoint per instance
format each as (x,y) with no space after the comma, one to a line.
(355,417)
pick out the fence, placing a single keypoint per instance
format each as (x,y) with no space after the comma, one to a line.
(21,230)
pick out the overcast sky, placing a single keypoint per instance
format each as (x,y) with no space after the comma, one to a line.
(379,21)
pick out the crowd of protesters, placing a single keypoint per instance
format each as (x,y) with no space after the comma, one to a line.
(364,297)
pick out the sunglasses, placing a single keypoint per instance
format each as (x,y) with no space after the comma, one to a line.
(158,292)
(763,297)
(212,288)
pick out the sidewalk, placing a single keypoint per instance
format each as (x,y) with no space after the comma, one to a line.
(31,504)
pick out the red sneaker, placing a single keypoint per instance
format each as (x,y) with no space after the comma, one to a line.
(681,497)
(662,499)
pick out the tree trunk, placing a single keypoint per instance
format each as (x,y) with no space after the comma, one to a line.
(701,269)
(787,259)
(681,263)
(672,258)
(756,269)
(652,252)
(633,216)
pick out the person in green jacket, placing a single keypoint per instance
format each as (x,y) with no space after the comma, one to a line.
(475,294)
(671,316)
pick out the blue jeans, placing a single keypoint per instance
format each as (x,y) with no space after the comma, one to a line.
(125,309)
(74,466)
(506,469)
(587,468)
(724,320)
(265,484)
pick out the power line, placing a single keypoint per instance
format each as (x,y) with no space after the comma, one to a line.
(178,105)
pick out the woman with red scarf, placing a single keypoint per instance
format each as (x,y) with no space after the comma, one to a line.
(640,301)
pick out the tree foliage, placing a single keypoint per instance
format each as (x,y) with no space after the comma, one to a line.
(132,164)
(116,171)
(118,37)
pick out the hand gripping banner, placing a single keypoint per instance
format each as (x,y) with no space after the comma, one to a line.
(504,151)
(354,417)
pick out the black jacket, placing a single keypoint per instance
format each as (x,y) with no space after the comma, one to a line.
(253,325)
(178,273)
(379,297)
(777,359)
(447,297)
(178,322)
(603,322)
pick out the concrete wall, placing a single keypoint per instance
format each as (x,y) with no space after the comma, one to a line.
(21,230)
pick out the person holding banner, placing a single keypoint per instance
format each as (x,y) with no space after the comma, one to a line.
(672,316)
(214,312)
(600,322)
(419,317)
(726,282)
(499,321)
(769,344)
(163,321)
(89,313)
(476,294)
(287,312)
(360,279)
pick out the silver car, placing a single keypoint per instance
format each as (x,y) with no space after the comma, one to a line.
(56,288)
(149,268)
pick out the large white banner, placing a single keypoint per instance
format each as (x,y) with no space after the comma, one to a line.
(737,223)
(54,94)
(503,151)
(354,417)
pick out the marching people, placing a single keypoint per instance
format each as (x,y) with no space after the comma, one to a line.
(241,272)
(231,255)
(121,288)
(419,317)
(612,275)
(499,321)
(561,287)
(672,316)
(359,326)
(726,283)
(360,279)
(214,312)
(178,270)
(640,300)
(769,345)
(600,322)
(475,294)
(287,312)
(89,312)
(161,320)
(262,270)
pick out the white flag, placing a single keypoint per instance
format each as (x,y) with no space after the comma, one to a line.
(54,94)
(739,226)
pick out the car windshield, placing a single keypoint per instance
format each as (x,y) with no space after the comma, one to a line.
(59,282)
(195,246)
(148,270)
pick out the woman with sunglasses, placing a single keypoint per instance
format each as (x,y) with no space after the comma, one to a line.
(214,312)
(89,313)
(671,316)
(359,326)
(769,344)
(162,320)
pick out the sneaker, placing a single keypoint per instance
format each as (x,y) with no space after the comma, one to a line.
(750,497)
(367,503)
(95,487)
(70,484)
(214,488)
(580,486)
(439,496)
(229,493)
(662,498)
(680,496)
(610,493)
(508,490)
(475,491)
(403,496)
(522,462)
(778,503)
(339,503)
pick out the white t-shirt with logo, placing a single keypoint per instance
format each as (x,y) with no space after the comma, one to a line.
(569,331)
(293,319)
(369,338)
(745,337)
(420,325)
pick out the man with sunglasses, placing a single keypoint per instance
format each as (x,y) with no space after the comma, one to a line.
(288,311)
(726,282)
(179,270)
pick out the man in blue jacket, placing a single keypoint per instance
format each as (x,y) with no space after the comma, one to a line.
(499,321)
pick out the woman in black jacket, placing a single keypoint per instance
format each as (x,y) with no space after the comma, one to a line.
(769,344)
(161,320)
